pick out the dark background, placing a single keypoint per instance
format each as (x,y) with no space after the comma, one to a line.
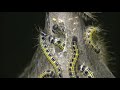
(18,31)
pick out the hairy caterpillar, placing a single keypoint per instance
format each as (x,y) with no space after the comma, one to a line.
(91,37)
(74,59)
(57,42)
(60,27)
(85,71)
(49,56)
(47,74)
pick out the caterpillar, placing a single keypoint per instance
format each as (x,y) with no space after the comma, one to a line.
(74,59)
(56,42)
(85,71)
(47,74)
(58,28)
(49,56)
(91,37)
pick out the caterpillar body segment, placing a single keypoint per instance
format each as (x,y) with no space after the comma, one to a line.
(57,42)
(47,74)
(91,37)
(85,71)
(72,64)
(50,57)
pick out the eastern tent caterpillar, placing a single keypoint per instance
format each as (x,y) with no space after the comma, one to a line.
(91,37)
(47,74)
(50,57)
(85,71)
(72,64)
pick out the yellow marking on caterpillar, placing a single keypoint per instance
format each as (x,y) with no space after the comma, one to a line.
(56,67)
(85,71)
(45,74)
(61,46)
(73,61)
(56,42)
(91,37)
(42,75)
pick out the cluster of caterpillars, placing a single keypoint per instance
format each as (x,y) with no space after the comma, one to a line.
(90,37)
(49,55)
